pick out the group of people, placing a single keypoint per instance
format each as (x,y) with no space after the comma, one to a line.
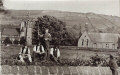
(41,51)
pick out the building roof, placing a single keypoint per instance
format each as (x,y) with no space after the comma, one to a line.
(104,37)
(3,38)
(10,32)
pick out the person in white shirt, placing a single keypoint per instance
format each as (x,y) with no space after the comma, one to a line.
(55,54)
(24,54)
(39,52)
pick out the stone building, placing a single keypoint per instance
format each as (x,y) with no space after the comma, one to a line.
(99,40)
(12,33)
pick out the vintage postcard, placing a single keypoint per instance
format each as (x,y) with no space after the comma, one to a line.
(60,37)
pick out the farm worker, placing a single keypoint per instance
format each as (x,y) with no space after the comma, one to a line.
(55,54)
(25,53)
(39,52)
(113,65)
(47,39)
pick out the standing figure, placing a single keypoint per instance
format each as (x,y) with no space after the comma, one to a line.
(55,54)
(113,65)
(39,52)
(25,54)
(47,39)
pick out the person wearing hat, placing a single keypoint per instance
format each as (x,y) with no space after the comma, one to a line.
(55,54)
(25,54)
(113,65)
(47,39)
(39,52)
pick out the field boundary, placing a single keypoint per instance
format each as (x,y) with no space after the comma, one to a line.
(90,49)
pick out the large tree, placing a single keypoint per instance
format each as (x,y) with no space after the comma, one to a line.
(56,28)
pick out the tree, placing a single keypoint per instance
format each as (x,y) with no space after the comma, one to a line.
(56,28)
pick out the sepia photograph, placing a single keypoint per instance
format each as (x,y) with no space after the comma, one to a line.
(59,37)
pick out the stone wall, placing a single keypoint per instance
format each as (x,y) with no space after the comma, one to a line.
(54,70)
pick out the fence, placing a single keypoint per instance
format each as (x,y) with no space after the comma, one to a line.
(54,70)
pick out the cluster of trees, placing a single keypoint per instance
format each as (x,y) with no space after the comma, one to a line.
(57,29)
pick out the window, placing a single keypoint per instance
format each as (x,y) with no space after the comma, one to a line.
(87,42)
(113,46)
(107,45)
(82,42)
(95,45)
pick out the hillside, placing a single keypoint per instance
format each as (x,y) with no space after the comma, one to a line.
(96,22)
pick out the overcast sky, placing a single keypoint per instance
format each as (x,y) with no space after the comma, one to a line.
(108,7)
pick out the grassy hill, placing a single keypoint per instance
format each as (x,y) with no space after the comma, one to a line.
(96,22)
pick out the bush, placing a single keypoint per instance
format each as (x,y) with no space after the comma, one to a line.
(16,41)
(97,60)
(22,40)
(7,40)
(93,61)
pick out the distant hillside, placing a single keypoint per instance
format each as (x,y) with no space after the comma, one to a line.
(96,22)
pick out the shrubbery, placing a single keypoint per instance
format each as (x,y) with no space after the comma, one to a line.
(22,40)
(93,61)
(16,41)
(7,41)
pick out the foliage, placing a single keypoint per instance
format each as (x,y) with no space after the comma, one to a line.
(97,60)
(22,40)
(16,41)
(56,28)
(68,62)
(7,40)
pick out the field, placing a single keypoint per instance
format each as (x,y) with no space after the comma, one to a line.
(66,52)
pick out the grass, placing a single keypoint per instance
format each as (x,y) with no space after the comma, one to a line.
(69,55)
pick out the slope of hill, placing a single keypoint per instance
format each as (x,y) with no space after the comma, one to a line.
(95,22)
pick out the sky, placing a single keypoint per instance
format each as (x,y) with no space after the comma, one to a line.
(107,7)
